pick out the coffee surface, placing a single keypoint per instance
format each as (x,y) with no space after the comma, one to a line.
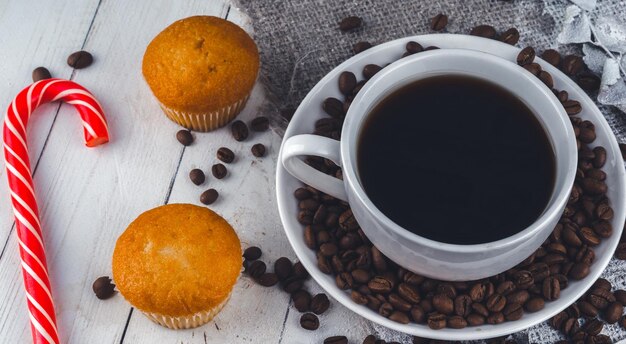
(456,159)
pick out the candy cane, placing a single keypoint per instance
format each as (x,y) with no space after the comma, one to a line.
(32,253)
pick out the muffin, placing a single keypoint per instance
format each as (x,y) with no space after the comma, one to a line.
(201,69)
(177,264)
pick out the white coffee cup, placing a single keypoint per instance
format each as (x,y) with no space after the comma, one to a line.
(421,255)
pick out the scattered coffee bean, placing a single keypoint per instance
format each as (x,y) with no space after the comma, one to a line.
(620,296)
(510,36)
(360,47)
(252,253)
(438,22)
(209,196)
(225,155)
(552,57)
(260,124)
(301,300)
(620,252)
(80,59)
(336,340)
(526,56)
(256,268)
(283,268)
(613,312)
(258,150)
(572,64)
(239,130)
(486,31)
(350,23)
(184,137)
(309,321)
(103,288)
(319,304)
(197,176)
(41,73)
(592,327)
(546,78)
(267,279)
(219,171)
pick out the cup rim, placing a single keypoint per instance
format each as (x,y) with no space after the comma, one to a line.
(353,123)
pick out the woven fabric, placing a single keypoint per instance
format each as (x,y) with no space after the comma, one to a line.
(299,43)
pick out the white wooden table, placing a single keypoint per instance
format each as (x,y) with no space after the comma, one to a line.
(87,197)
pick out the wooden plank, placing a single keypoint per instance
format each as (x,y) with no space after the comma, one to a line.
(60,29)
(247,200)
(88,196)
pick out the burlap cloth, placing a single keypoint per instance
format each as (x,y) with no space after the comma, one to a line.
(299,43)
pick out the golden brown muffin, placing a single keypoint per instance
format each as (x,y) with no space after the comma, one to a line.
(177,264)
(201,69)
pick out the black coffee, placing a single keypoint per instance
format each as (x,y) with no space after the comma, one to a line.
(456,159)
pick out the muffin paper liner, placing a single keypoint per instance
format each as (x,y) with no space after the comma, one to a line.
(206,121)
(186,322)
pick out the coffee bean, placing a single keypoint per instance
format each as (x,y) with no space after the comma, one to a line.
(409,293)
(319,304)
(588,81)
(600,158)
(347,221)
(462,305)
(523,279)
(360,47)
(546,78)
(302,194)
(613,312)
(510,36)
(226,155)
(347,82)
(358,298)
(385,309)
(572,64)
(209,196)
(519,296)
(533,68)
(219,171)
(328,249)
(579,271)
(333,107)
(370,70)
(526,56)
(184,137)
(587,309)
(534,305)
(258,150)
(572,107)
(438,22)
(260,123)
(589,237)
(239,130)
(562,96)
(413,47)
(267,279)
(399,317)
(197,176)
(336,340)
(570,326)
(620,296)
(252,253)
(399,303)
(620,252)
(344,281)
(443,304)
(513,312)
(456,322)
(592,327)
(309,321)
(558,320)
(80,59)
(551,288)
(283,268)
(593,186)
(495,303)
(603,228)
(350,23)
(436,321)
(103,287)
(301,300)
(600,298)
(505,288)
(552,57)
(380,284)
(475,319)
(41,73)
(495,318)
(370,339)
(256,269)
(486,31)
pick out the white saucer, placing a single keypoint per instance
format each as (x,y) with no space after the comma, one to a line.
(310,110)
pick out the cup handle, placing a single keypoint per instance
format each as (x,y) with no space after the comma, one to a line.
(315,145)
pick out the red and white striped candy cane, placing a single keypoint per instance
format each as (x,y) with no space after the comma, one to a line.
(32,252)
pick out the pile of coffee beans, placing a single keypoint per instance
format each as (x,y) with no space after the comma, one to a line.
(291,278)
(240,132)
(358,267)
